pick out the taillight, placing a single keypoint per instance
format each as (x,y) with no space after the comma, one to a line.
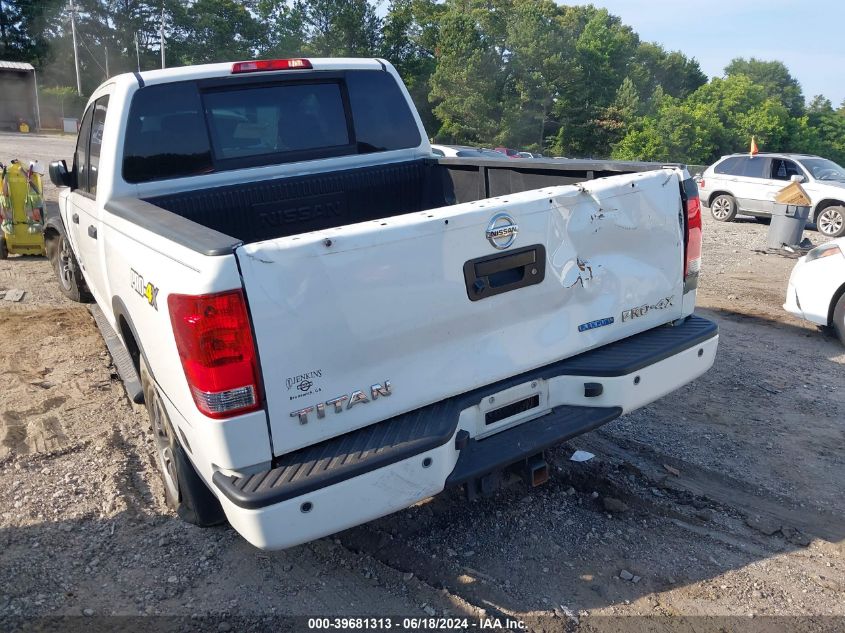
(262,65)
(214,340)
(692,234)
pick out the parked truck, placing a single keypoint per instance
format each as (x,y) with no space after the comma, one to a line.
(327,323)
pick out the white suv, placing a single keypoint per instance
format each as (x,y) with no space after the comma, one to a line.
(740,183)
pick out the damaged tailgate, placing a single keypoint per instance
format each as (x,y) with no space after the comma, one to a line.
(360,323)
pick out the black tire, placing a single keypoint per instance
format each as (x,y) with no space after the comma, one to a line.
(68,273)
(723,208)
(4,249)
(763,219)
(839,319)
(830,221)
(184,490)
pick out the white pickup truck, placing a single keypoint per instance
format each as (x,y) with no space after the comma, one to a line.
(327,323)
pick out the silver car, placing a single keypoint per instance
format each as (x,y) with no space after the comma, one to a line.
(745,184)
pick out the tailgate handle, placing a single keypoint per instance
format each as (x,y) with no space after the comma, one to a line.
(494,274)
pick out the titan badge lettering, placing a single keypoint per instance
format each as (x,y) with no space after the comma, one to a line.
(644,309)
(343,403)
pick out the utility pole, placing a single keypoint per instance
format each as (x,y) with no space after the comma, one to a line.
(107,62)
(137,52)
(161,37)
(75,51)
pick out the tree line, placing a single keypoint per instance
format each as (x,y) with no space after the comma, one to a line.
(529,74)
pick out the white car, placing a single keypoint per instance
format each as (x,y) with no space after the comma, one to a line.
(816,289)
(745,184)
(465,151)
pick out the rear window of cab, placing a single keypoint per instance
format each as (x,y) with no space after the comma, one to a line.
(185,128)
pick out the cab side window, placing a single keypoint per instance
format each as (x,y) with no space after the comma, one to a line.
(98,122)
(784,169)
(80,156)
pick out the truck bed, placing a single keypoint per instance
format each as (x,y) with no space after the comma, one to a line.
(269,209)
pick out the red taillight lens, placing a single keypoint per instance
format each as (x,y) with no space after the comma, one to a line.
(214,340)
(692,263)
(263,65)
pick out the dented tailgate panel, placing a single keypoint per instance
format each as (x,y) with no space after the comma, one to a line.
(339,313)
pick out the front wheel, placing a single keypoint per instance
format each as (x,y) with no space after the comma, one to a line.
(839,319)
(68,273)
(723,208)
(184,490)
(4,250)
(831,221)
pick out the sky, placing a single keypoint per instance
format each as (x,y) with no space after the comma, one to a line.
(806,36)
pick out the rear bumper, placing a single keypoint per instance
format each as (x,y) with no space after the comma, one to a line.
(393,464)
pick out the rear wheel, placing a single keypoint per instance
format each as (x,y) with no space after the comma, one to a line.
(723,208)
(184,490)
(839,319)
(763,219)
(830,221)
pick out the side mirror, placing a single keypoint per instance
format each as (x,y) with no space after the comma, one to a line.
(59,175)
(797,178)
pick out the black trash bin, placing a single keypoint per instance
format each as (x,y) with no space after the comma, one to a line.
(787,227)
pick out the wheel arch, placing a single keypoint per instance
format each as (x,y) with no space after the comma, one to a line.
(53,228)
(836,296)
(51,234)
(129,335)
(824,204)
(715,194)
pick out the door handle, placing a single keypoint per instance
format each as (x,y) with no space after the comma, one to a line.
(75,218)
(92,231)
(494,274)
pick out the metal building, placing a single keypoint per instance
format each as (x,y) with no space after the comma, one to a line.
(18,96)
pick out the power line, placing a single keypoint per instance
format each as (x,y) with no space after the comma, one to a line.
(92,54)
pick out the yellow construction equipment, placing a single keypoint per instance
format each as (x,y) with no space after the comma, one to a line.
(21,209)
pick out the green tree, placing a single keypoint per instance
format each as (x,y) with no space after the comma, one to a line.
(821,131)
(615,120)
(215,31)
(536,66)
(409,40)
(340,28)
(283,29)
(675,73)
(466,86)
(745,110)
(775,79)
(680,131)
(25,29)
(603,51)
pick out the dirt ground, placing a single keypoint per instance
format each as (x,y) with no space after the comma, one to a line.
(721,502)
